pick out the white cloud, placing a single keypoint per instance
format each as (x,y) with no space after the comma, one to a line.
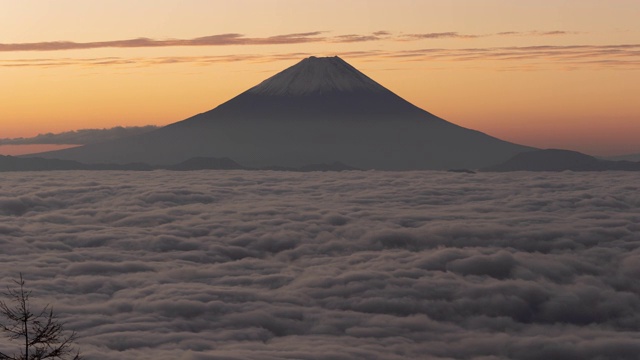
(352,265)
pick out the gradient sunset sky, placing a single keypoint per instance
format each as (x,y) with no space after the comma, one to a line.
(547,73)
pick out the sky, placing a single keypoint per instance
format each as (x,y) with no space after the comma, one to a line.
(561,74)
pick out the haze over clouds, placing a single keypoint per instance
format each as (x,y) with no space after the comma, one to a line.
(265,265)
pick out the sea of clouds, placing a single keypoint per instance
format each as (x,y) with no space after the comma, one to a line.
(352,265)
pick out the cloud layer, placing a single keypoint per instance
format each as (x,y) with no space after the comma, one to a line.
(376,265)
(81,137)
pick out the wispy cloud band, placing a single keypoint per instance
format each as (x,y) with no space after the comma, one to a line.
(625,56)
(519,57)
(240,39)
(213,40)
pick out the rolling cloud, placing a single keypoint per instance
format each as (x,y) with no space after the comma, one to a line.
(81,137)
(269,265)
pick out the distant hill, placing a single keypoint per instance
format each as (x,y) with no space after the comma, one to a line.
(318,111)
(560,160)
(462,171)
(629,157)
(206,163)
(12,163)
(336,166)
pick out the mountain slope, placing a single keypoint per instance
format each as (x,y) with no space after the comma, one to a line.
(206,163)
(321,110)
(12,163)
(317,76)
(560,160)
(629,157)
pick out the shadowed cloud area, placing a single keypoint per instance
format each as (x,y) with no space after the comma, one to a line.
(80,137)
(352,265)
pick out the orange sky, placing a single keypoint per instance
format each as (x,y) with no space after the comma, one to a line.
(546,73)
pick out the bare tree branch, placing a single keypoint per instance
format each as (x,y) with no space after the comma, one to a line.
(42,334)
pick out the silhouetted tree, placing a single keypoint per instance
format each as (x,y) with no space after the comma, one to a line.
(40,334)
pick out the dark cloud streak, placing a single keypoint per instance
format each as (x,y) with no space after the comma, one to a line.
(213,40)
(623,56)
(232,39)
(82,136)
(537,33)
(441,35)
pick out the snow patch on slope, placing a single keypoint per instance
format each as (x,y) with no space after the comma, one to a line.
(315,75)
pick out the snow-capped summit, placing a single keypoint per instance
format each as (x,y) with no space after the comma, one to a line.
(318,88)
(317,75)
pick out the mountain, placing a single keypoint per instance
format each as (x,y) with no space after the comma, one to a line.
(336,166)
(630,157)
(319,111)
(206,163)
(560,160)
(12,163)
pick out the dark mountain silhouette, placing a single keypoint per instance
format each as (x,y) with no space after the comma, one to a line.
(318,111)
(206,163)
(629,157)
(80,137)
(336,166)
(560,160)
(462,171)
(12,163)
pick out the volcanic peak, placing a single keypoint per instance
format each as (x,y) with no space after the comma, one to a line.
(317,75)
(319,111)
